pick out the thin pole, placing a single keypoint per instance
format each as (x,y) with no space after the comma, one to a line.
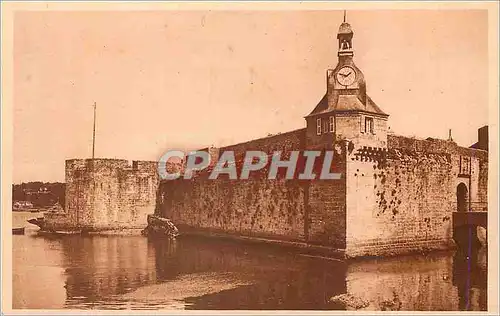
(93,134)
(344,16)
(470,184)
(93,162)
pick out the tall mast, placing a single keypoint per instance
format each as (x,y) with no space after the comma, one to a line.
(93,134)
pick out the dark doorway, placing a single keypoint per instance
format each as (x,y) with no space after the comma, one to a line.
(462,198)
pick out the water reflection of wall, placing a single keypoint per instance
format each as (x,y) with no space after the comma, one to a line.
(470,279)
(284,280)
(434,282)
(279,280)
(97,267)
(101,267)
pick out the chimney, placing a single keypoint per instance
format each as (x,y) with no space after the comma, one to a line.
(482,138)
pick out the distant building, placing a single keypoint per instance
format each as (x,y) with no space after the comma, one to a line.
(482,136)
(22,205)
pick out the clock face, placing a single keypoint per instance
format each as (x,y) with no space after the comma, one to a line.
(346,76)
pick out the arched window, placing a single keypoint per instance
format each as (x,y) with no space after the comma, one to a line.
(462,197)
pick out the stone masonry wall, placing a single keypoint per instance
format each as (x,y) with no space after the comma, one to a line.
(109,194)
(138,188)
(389,200)
(253,207)
(84,177)
(482,195)
(296,210)
(402,199)
(326,206)
(352,127)
(105,196)
(326,213)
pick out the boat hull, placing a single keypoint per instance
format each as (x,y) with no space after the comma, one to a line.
(18,231)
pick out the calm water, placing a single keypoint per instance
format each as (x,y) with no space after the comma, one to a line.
(130,272)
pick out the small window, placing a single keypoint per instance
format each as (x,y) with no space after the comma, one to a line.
(325,127)
(331,124)
(318,126)
(368,125)
(465,165)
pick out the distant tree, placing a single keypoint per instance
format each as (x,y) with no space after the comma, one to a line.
(41,194)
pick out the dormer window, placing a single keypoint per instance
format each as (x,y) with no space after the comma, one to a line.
(318,126)
(325,126)
(369,125)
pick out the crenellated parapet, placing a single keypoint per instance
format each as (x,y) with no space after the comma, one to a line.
(370,154)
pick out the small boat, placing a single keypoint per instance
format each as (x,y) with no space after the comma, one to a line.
(55,233)
(39,221)
(18,231)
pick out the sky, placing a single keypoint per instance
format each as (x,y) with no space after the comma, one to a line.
(188,79)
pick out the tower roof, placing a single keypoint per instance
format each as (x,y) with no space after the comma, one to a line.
(347,103)
(345,28)
(346,86)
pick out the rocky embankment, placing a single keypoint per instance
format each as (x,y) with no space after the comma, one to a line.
(160,227)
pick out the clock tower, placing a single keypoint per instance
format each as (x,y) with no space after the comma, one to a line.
(346,112)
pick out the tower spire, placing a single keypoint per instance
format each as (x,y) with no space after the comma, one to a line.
(344,37)
(93,132)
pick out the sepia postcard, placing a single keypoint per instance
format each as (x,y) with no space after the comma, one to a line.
(249,157)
